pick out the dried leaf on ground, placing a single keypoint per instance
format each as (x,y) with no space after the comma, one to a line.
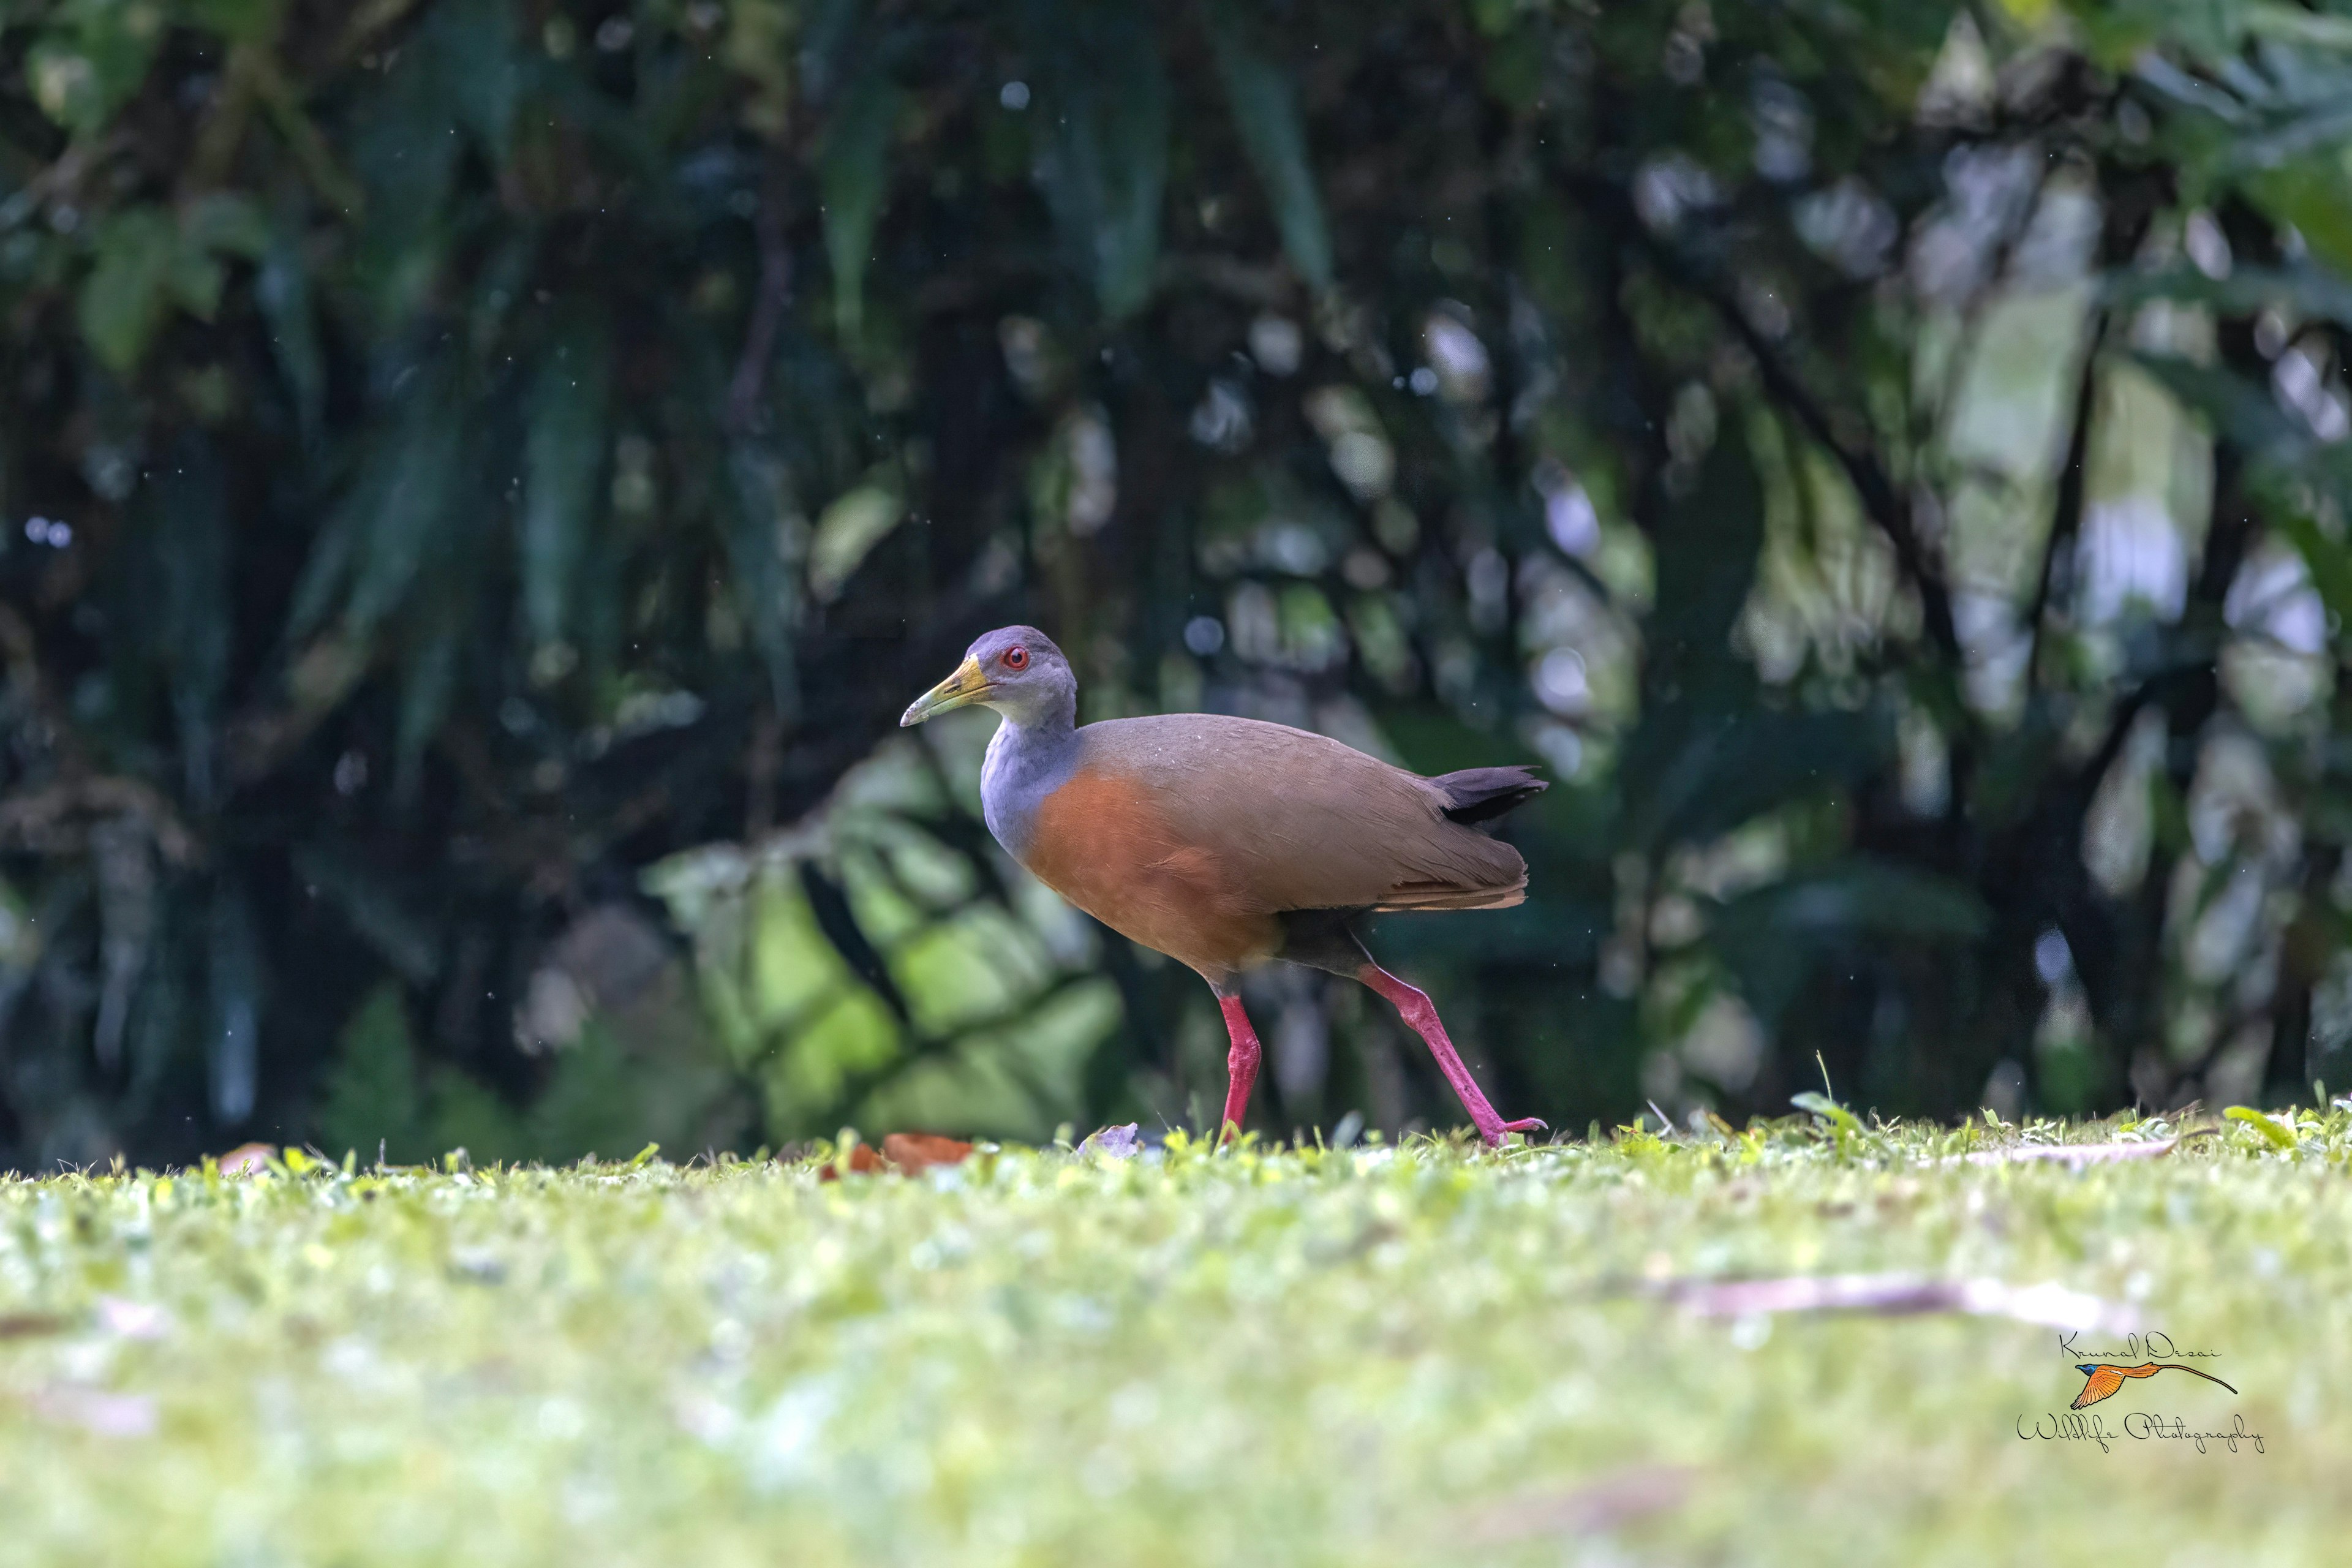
(912,1152)
(903,1153)
(2048,1305)
(26,1325)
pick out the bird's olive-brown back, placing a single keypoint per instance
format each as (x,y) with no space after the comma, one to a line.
(1190,833)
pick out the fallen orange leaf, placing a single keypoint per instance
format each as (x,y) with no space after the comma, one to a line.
(904,1152)
(912,1152)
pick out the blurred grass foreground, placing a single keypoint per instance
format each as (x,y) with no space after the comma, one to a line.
(1816,1341)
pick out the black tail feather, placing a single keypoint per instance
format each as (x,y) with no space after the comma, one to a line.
(1481,794)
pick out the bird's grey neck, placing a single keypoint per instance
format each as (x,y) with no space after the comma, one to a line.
(1031,756)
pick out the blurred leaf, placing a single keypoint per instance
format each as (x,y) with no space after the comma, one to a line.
(186,596)
(2315,198)
(147,259)
(1706,755)
(2276,1136)
(94,54)
(2329,558)
(1829,1111)
(2286,458)
(853,177)
(2311,292)
(850,527)
(2302,130)
(1771,939)
(759,45)
(1265,110)
(194,280)
(20,939)
(374,1103)
(428,682)
(404,149)
(2242,412)
(763,547)
(475,46)
(224,221)
(405,939)
(1692,776)
(1862,896)
(282,290)
(1103,155)
(121,301)
(233,1036)
(563,466)
(240,21)
(374,545)
(124,855)
(1707,561)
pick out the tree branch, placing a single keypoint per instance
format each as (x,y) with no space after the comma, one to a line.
(2074,483)
(767,314)
(1882,501)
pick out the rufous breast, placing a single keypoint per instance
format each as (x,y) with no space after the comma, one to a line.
(1102,841)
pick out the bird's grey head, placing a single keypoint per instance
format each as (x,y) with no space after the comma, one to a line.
(1016,670)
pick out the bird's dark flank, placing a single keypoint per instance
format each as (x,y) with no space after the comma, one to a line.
(1228,843)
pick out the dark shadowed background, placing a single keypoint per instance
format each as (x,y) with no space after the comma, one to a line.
(481,478)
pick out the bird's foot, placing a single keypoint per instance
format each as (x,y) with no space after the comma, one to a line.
(1525,1124)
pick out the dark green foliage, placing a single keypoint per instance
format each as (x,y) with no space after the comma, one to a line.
(457,455)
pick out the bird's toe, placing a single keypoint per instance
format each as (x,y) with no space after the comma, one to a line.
(1525,1124)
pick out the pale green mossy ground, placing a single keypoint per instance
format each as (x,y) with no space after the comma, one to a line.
(1371,1356)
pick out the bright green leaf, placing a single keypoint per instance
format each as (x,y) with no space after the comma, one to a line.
(94,57)
(2273,1133)
(1829,1111)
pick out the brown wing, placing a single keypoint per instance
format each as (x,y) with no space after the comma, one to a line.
(1297,821)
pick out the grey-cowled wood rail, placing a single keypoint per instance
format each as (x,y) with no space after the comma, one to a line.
(1228,843)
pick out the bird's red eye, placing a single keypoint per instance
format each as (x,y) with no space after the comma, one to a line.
(1016,659)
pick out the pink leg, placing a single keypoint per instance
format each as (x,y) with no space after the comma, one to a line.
(1241,1064)
(1421,1014)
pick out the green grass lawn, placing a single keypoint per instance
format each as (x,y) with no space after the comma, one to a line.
(1422,1354)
